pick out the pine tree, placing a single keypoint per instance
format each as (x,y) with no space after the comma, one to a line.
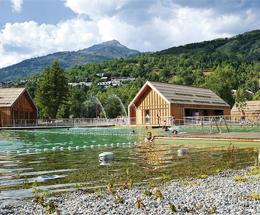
(52,91)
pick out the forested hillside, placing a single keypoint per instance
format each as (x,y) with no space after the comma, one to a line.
(223,65)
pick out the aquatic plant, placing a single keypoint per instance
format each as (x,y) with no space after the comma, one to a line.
(158,194)
(148,193)
(253,196)
(25,182)
(212,210)
(151,184)
(119,199)
(77,186)
(165,178)
(231,155)
(203,176)
(139,204)
(98,193)
(172,208)
(41,198)
(189,183)
(110,187)
(240,178)
(130,183)
(51,207)
(254,171)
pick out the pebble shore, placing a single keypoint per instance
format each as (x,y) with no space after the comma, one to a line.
(218,194)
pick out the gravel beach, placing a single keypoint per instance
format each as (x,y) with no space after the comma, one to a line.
(229,192)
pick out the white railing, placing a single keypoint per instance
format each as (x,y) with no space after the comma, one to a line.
(122,121)
(74,122)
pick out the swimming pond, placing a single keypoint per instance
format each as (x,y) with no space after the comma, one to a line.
(61,160)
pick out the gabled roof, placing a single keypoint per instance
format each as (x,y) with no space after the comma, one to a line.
(179,94)
(8,96)
(250,106)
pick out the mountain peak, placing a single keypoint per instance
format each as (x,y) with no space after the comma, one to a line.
(112,42)
(112,48)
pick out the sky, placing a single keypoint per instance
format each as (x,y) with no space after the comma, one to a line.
(32,28)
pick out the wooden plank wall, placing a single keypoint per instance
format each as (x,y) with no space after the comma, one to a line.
(5,116)
(153,102)
(22,110)
(250,115)
(178,109)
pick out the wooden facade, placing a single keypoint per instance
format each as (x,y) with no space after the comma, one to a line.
(251,111)
(16,107)
(152,105)
(158,104)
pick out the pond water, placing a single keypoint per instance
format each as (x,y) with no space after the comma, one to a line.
(66,159)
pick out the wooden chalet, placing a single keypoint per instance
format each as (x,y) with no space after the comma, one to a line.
(16,107)
(251,111)
(157,102)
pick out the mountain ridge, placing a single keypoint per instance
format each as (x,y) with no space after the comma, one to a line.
(99,52)
(243,47)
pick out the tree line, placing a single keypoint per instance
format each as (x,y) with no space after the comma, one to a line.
(224,67)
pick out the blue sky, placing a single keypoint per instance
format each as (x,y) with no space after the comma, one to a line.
(31,28)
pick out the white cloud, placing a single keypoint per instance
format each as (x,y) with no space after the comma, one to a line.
(183,25)
(19,41)
(95,8)
(145,25)
(157,24)
(17,5)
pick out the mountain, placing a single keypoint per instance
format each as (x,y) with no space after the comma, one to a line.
(221,65)
(246,46)
(100,52)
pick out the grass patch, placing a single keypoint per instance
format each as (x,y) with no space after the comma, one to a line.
(189,183)
(240,178)
(253,196)
(254,171)
(203,176)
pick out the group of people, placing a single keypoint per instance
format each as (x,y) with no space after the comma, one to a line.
(150,137)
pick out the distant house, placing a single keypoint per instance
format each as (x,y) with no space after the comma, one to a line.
(117,81)
(87,84)
(156,102)
(105,84)
(16,107)
(251,111)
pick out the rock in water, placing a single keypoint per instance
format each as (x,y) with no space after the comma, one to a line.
(182,152)
(106,157)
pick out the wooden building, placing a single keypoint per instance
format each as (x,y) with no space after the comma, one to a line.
(156,102)
(16,107)
(251,111)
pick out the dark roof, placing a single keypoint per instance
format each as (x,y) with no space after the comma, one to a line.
(9,95)
(188,95)
(179,94)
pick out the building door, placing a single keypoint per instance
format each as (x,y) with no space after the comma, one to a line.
(218,112)
(147,116)
(139,116)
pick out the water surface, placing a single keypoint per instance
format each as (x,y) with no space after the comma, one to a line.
(63,160)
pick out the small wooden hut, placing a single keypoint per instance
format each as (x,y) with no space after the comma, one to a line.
(157,102)
(251,111)
(16,107)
